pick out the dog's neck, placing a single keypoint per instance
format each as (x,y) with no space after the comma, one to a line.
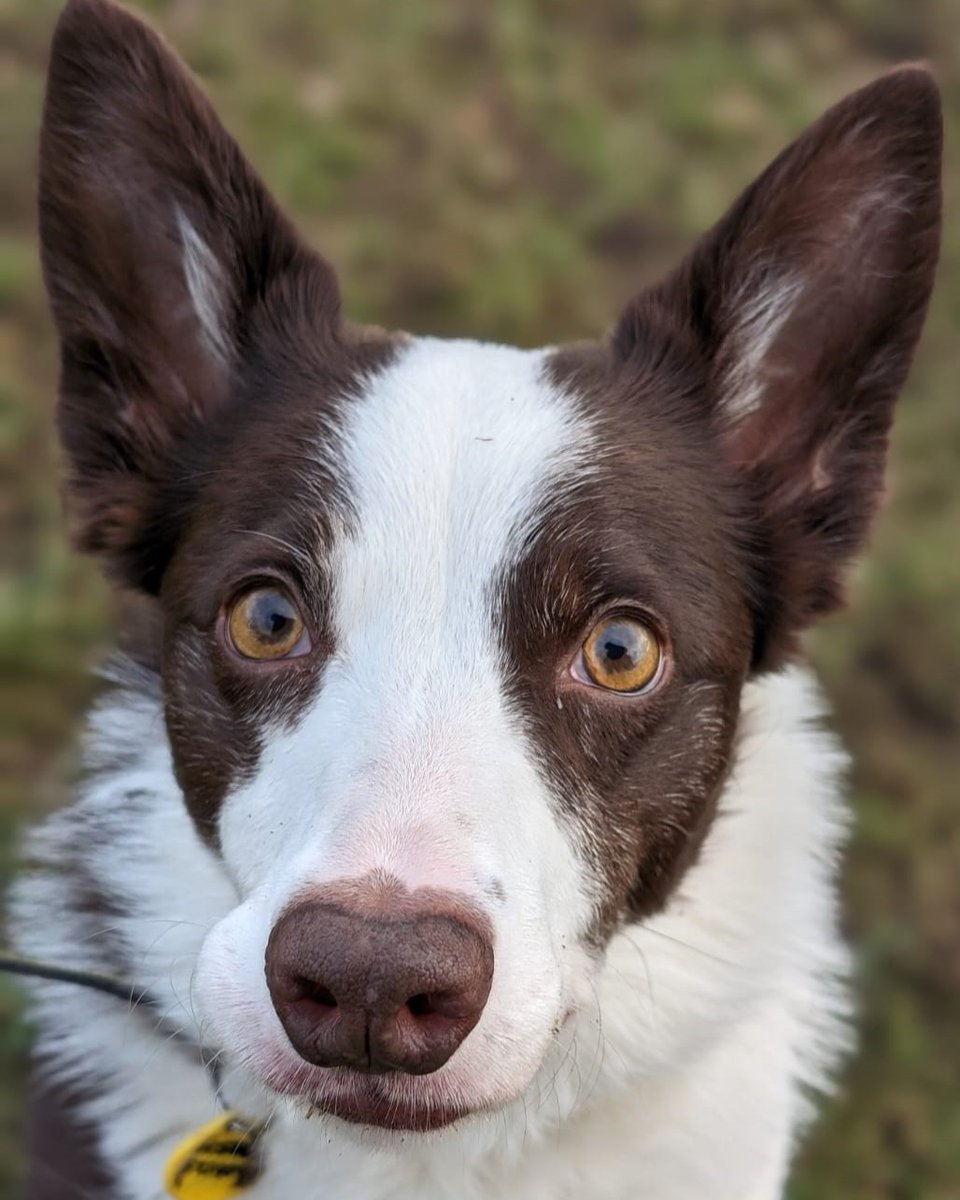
(685,1065)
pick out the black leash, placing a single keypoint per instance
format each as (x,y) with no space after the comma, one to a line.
(15,965)
(107,985)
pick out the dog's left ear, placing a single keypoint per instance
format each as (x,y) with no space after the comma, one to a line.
(167,263)
(805,303)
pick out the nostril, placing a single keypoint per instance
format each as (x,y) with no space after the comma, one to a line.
(452,1005)
(308,989)
(420,1005)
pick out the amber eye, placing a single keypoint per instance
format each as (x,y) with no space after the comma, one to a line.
(622,654)
(265,623)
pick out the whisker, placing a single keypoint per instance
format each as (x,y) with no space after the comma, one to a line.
(727,962)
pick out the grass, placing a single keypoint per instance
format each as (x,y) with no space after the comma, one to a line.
(514,170)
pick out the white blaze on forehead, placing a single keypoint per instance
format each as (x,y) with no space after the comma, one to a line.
(450,460)
(408,759)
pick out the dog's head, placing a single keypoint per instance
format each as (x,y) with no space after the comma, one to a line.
(454,634)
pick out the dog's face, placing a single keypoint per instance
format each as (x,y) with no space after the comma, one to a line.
(512,677)
(454,634)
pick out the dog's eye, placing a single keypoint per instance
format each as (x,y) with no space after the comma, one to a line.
(264,623)
(622,655)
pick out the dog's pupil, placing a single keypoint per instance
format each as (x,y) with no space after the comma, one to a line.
(271,616)
(620,648)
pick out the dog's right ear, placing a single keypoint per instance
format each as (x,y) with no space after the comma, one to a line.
(162,253)
(803,306)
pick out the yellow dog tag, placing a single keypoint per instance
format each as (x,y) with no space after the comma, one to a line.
(216,1161)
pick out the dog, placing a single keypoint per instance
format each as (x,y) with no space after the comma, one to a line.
(463,821)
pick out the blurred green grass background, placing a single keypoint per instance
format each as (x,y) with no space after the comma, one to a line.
(514,169)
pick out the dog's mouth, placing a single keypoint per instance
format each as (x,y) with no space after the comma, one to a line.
(389,1102)
(365,1101)
(393,1101)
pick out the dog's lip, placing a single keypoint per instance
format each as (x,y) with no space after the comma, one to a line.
(378,1101)
(364,1103)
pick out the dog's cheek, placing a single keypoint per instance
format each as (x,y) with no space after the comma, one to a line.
(647,797)
(677,792)
(216,743)
(230,987)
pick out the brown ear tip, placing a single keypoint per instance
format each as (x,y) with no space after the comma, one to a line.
(900,115)
(89,21)
(919,79)
(103,57)
(917,72)
(910,89)
(76,11)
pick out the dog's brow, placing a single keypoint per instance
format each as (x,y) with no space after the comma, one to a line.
(296,552)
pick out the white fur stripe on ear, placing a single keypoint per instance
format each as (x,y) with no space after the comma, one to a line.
(762,314)
(205,283)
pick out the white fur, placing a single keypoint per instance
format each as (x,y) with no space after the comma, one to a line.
(682,1071)
(205,286)
(760,317)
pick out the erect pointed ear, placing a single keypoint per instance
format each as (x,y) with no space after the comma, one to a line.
(805,303)
(161,252)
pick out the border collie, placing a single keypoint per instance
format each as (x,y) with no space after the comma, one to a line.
(465,821)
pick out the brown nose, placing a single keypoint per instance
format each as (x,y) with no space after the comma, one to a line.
(380,981)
